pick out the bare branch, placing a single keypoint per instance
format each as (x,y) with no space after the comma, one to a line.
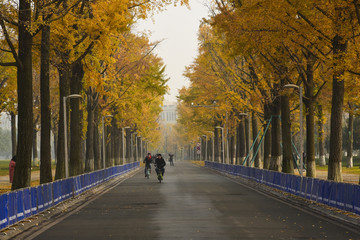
(2,83)
(139,4)
(12,47)
(86,52)
(5,50)
(8,64)
(353,72)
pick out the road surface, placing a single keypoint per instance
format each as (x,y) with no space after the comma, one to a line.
(191,203)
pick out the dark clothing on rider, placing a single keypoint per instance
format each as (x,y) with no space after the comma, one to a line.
(147,161)
(160,162)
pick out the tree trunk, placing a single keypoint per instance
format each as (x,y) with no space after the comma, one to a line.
(210,150)
(13,133)
(35,151)
(203,148)
(22,175)
(112,143)
(55,144)
(108,146)
(135,143)
(242,140)
(122,144)
(128,145)
(310,140)
(64,80)
(139,149)
(232,149)
(89,161)
(338,88)
(237,144)
(217,144)
(97,144)
(247,140)
(255,130)
(275,163)
(310,118)
(188,152)
(321,138)
(45,146)
(288,162)
(116,142)
(76,165)
(350,141)
(267,141)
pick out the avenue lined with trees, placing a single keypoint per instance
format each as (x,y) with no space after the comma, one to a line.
(86,54)
(77,70)
(254,59)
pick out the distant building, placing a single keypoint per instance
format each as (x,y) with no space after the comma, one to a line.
(169,113)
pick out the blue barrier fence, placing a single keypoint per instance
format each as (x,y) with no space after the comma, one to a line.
(343,196)
(23,203)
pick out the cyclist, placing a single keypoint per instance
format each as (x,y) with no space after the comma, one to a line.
(147,161)
(160,164)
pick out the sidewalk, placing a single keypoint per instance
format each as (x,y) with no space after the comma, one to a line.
(35,180)
(347,177)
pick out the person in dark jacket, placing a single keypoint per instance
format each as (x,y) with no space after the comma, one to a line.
(160,164)
(171,159)
(147,161)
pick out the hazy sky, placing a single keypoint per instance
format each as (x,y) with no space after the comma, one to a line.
(178,28)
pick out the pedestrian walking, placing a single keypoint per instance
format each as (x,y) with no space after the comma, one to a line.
(12,168)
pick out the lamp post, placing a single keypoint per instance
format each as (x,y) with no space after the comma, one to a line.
(301,123)
(65,132)
(223,144)
(103,133)
(123,143)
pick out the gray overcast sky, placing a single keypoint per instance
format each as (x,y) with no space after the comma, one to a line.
(178,28)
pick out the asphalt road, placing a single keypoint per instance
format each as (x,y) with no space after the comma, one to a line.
(191,203)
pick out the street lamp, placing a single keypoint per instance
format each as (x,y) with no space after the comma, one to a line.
(123,143)
(65,132)
(223,144)
(103,133)
(301,123)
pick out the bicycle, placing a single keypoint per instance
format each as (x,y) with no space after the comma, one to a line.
(159,174)
(147,172)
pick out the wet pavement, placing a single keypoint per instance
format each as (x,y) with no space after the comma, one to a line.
(191,203)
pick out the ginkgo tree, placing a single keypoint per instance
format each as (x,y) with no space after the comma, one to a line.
(131,89)
(306,43)
(77,28)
